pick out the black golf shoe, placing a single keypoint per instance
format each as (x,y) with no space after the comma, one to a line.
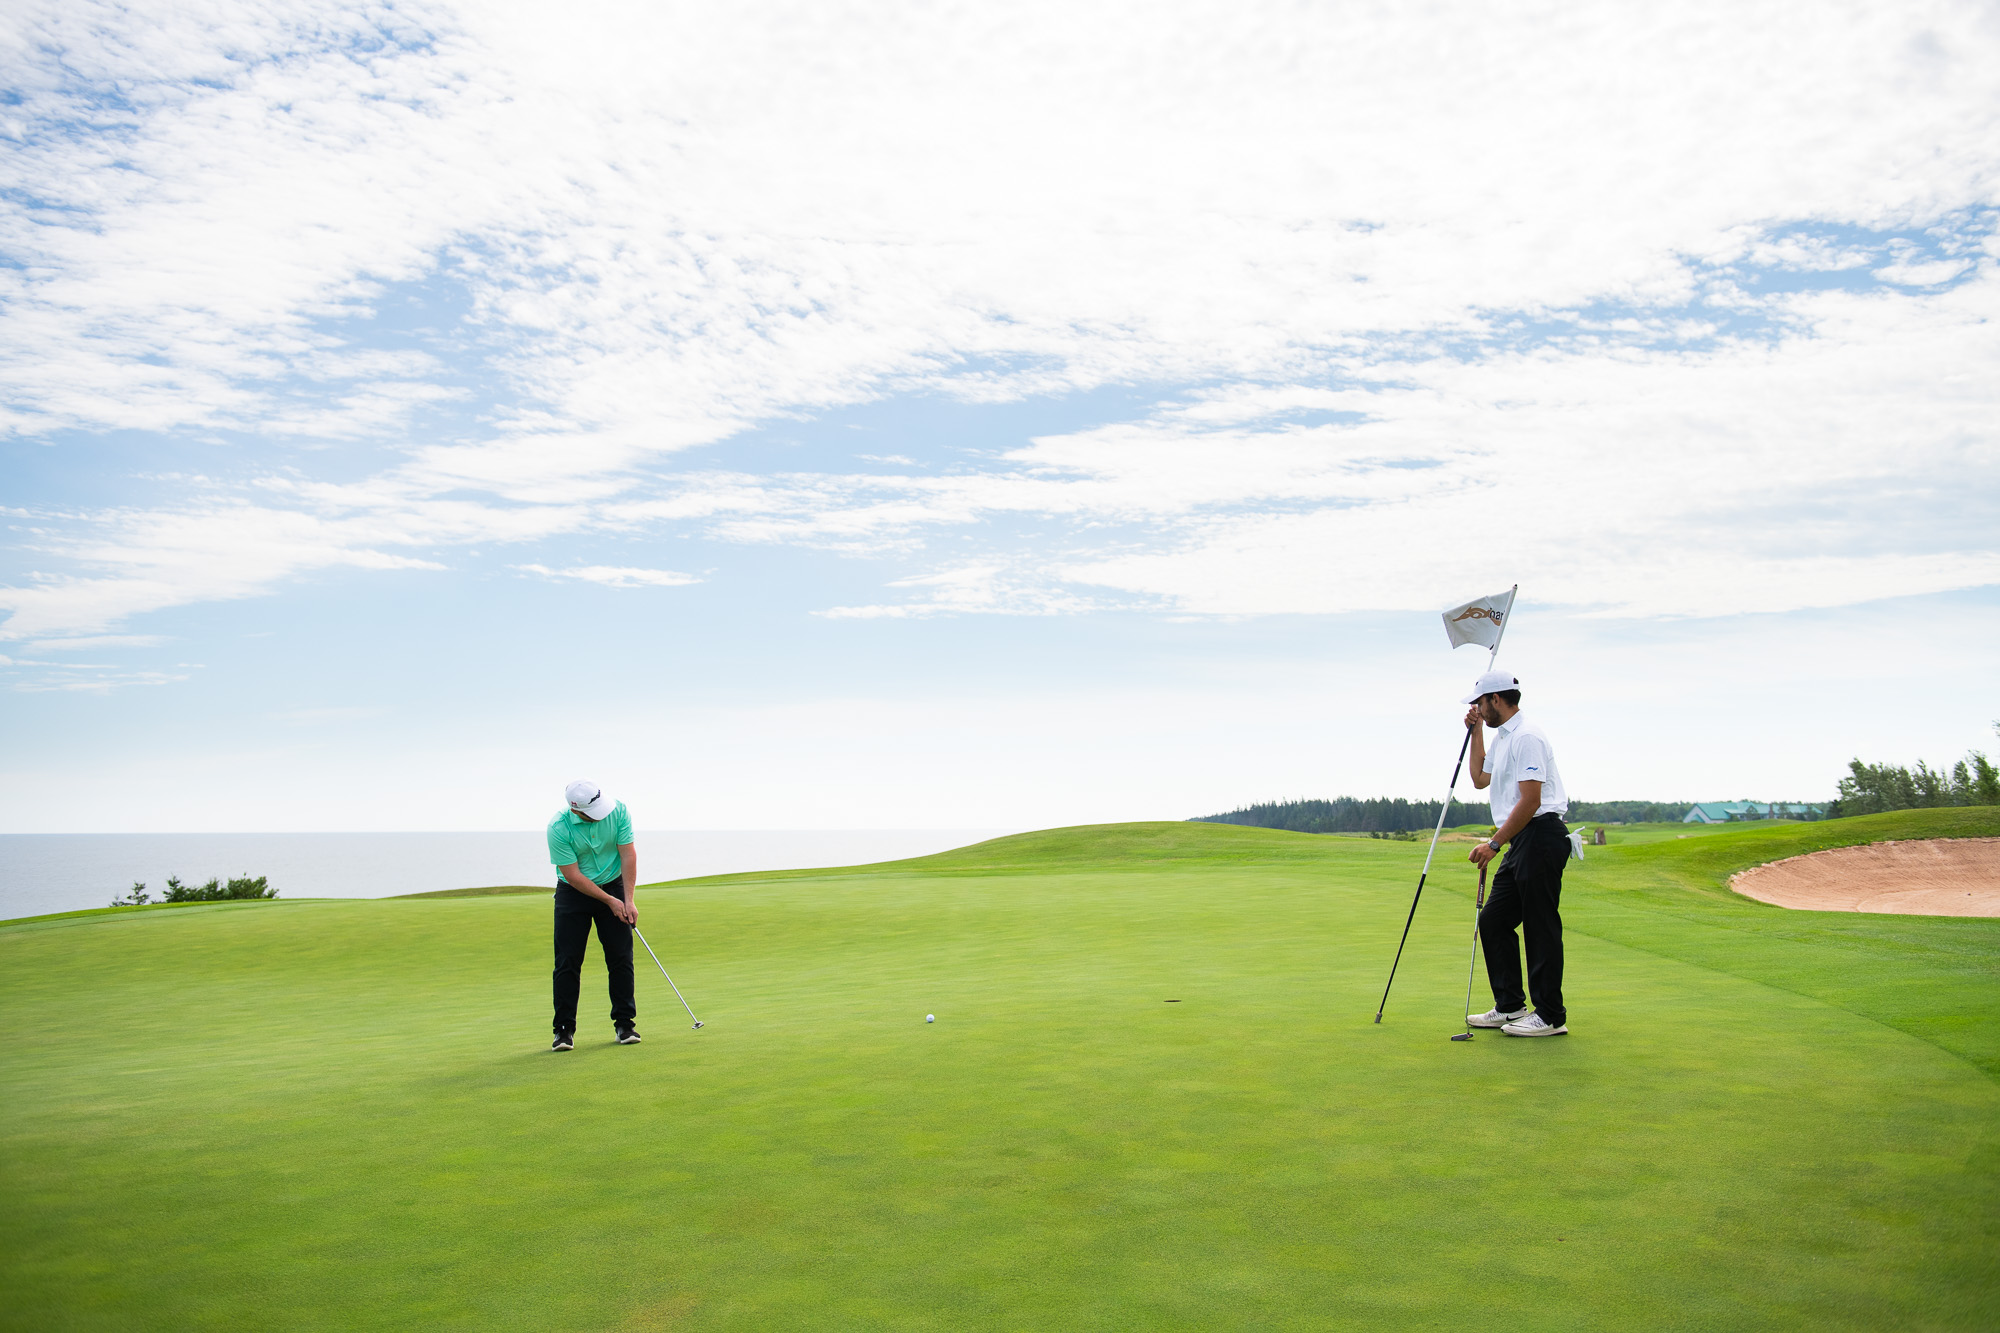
(628,1035)
(562,1042)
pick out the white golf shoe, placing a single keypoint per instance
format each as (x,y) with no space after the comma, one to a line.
(1533,1026)
(1493,1018)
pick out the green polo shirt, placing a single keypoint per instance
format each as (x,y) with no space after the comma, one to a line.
(592,847)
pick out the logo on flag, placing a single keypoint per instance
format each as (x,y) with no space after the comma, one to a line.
(1479,620)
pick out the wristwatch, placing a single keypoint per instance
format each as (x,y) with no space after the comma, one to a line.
(1493,846)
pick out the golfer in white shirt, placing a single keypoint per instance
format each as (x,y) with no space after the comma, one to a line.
(1528,807)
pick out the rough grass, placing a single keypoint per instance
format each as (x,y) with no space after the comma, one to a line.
(339,1114)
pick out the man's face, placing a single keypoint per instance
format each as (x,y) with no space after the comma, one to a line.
(580,815)
(1489,710)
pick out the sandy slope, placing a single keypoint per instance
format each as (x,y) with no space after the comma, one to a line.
(1933,877)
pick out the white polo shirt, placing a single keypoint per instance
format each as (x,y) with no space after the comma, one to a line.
(1521,752)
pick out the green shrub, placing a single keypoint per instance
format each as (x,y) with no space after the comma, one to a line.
(215,890)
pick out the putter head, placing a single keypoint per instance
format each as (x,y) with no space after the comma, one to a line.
(697,1022)
(1463,1036)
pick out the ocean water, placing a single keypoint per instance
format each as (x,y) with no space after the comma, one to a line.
(61,872)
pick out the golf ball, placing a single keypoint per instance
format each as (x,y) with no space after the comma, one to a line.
(930,1018)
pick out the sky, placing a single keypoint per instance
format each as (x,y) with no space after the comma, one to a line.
(901,416)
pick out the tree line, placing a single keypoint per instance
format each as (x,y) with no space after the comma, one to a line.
(1627,812)
(1867,789)
(1871,789)
(1347,814)
(1385,814)
(215,891)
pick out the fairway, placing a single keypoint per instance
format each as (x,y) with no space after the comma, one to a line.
(342,1115)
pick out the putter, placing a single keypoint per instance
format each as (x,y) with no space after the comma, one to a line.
(670,981)
(1477,904)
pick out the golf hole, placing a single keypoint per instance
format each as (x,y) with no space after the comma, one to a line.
(1172,1002)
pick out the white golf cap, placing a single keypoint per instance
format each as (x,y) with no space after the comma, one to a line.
(587,798)
(1491,683)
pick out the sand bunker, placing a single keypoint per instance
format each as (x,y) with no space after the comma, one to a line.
(1933,877)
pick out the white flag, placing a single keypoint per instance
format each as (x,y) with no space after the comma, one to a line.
(1479,620)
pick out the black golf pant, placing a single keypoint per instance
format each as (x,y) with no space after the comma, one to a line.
(1527,892)
(574,913)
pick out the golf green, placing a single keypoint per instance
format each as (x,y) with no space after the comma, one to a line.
(342,1114)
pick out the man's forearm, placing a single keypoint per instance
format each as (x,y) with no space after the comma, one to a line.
(581,883)
(1523,811)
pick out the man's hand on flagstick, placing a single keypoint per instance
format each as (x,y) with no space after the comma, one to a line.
(1473,717)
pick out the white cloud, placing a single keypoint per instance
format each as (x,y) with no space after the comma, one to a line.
(86,678)
(144,560)
(1854,464)
(616,576)
(1923,275)
(1850,461)
(975,589)
(1807,254)
(670,221)
(98,641)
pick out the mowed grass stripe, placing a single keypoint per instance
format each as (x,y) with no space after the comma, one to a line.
(339,1114)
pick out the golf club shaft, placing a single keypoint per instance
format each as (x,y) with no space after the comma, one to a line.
(1450,792)
(663,972)
(1473,962)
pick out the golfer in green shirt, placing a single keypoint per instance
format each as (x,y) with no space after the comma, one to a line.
(590,844)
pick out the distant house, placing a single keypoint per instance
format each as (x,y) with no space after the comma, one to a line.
(1727,812)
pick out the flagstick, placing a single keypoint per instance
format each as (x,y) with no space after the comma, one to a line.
(1479,899)
(1505,620)
(1451,794)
